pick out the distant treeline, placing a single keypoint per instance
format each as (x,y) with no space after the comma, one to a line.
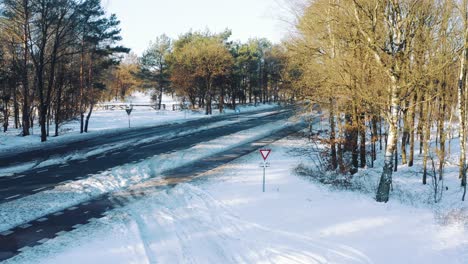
(205,68)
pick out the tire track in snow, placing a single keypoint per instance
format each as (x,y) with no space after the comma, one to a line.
(200,226)
(142,231)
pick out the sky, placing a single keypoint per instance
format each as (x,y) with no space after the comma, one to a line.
(144,20)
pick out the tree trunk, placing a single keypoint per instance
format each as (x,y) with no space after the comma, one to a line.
(160,98)
(427,139)
(395,165)
(16,108)
(462,110)
(82,122)
(207,107)
(209,96)
(421,122)
(383,191)
(58,109)
(462,100)
(6,114)
(362,149)
(48,119)
(250,92)
(412,116)
(442,134)
(374,139)
(340,151)
(25,75)
(333,161)
(380,134)
(352,125)
(88,117)
(221,101)
(82,84)
(210,105)
(233,101)
(405,137)
(42,103)
(43,121)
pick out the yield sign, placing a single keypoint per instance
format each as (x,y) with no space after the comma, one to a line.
(265,153)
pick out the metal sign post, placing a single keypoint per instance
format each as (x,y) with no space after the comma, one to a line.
(265,153)
(129,109)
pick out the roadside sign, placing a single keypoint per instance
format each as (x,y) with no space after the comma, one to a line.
(265,153)
(129,109)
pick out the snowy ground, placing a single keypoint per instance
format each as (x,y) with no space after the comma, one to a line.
(223,217)
(407,187)
(103,121)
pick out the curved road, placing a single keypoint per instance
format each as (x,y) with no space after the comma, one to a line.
(50,149)
(38,231)
(36,180)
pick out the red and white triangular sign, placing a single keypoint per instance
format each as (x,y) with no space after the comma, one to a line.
(265,153)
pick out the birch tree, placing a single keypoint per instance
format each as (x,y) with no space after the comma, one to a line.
(462,94)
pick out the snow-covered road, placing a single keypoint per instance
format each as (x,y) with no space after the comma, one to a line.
(111,122)
(32,206)
(71,151)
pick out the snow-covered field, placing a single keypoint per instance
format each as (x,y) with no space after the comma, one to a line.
(223,217)
(104,121)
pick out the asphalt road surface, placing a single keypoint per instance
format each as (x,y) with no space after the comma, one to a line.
(38,231)
(39,153)
(41,179)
